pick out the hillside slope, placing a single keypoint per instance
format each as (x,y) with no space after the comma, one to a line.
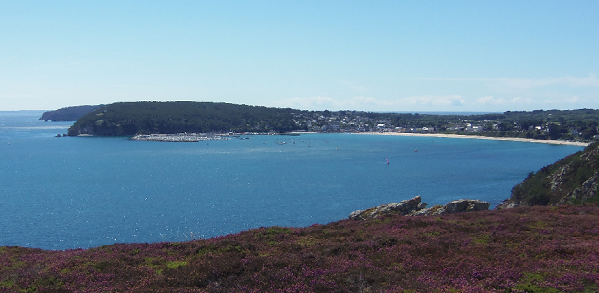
(528,249)
(573,179)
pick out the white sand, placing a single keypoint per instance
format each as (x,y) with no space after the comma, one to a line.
(562,142)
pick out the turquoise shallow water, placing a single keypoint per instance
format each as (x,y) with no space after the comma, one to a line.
(61,193)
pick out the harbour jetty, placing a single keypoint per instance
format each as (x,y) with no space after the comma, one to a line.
(180,137)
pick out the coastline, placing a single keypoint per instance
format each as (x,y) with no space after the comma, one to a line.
(556,142)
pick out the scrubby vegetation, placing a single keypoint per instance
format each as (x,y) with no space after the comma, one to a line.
(529,249)
(573,179)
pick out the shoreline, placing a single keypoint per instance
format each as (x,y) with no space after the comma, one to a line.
(440,135)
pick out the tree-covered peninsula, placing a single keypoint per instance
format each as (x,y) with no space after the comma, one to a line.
(130,118)
(68,113)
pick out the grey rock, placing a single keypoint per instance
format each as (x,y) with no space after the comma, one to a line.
(414,207)
(355,214)
(586,191)
(402,208)
(457,206)
(557,179)
(466,205)
(508,204)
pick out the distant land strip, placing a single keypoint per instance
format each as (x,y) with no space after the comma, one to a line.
(558,142)
(572,127)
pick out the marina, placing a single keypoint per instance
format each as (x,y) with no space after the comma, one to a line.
(179,137)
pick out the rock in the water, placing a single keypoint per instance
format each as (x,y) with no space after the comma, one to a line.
(402,208)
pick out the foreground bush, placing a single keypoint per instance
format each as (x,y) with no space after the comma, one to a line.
(528,249)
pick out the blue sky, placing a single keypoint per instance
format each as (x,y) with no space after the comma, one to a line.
(483,56)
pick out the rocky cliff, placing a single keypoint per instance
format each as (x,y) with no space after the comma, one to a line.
(573,179)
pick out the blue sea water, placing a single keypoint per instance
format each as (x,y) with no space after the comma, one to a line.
(62,193)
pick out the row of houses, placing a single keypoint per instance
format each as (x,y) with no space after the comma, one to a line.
(338,122)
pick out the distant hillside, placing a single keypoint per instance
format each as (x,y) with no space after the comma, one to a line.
(573,179)
(68,113)
(130,118)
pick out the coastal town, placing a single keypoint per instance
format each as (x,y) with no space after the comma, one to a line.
(548,127)
(352,121)
(538,125)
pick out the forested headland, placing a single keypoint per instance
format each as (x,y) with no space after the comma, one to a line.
(131,118)
(68,113)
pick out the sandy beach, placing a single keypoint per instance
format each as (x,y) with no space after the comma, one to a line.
(559,142)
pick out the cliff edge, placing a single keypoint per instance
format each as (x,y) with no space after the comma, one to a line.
(573,179)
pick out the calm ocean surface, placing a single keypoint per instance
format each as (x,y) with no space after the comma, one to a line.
(62,193)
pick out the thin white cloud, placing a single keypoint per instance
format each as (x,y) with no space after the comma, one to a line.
(353,86)
(370,103)
(307,103)
(490,100)
(572,100)
(528,83)
(451,100)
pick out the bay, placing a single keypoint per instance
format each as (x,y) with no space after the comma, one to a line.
(70,192)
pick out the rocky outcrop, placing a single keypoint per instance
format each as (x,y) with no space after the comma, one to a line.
(402,208)
(454,207)
(557,178)
(466,205)
(586,191)
(414,207)
(507,204)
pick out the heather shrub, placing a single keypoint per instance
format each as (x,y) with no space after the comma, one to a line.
(532,249)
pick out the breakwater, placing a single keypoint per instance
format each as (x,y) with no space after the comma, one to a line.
(179,137)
